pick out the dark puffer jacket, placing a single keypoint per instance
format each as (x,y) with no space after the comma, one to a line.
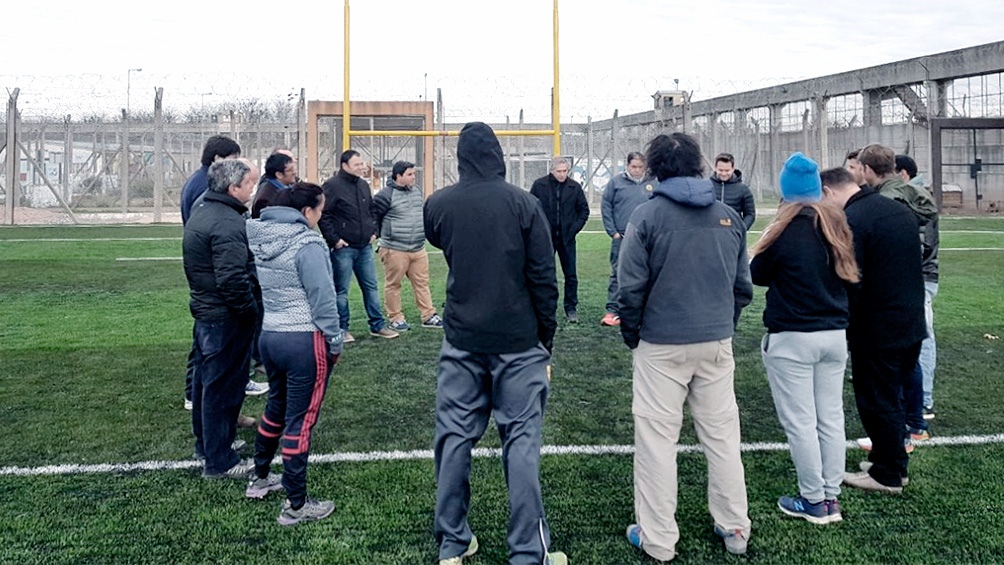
(347,211)
(219,265)
(564,205)
(737,196)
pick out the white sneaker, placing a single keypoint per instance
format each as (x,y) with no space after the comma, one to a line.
(255,388)
(188,405)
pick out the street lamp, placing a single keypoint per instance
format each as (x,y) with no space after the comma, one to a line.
(129,87)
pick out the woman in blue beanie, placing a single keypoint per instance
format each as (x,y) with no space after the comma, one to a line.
(300,343)
(805,258)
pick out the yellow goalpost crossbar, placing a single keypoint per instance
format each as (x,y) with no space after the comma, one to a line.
(554,132)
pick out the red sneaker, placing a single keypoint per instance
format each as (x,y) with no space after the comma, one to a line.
(610,319)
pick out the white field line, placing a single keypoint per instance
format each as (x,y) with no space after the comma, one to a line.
(86,239)
(148,258)
(426,454)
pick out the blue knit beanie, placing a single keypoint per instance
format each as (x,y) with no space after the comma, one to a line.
(800,180)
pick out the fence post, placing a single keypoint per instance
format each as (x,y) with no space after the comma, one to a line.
(772,143)
(522,154)
(12,181)
(823,125)
(614,132)
(589,159)
(158,155)
(124,153)
(301,132)
(67,158)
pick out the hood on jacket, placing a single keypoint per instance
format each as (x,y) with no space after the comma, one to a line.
(689,191)
(269,236)
(737,176)
(479,153)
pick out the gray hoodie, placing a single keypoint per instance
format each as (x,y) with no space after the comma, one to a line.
(294,270)
(682,267)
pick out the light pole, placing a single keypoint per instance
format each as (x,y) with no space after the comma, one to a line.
(129,87)
(203,96)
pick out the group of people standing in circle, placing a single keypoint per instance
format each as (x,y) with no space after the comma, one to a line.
(680,276)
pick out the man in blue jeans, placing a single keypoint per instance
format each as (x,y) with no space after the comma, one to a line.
(349,229)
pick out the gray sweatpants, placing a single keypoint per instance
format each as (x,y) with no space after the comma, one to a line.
(806,374)
(470,387)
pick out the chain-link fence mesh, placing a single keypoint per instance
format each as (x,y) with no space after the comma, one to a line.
(80,156)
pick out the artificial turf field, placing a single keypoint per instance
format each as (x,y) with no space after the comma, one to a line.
(92,355)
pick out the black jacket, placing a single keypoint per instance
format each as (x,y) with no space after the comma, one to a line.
(218,263)
(564,206)
(804,292)
(737,195)
(347,211)
(887,308)
(501,292)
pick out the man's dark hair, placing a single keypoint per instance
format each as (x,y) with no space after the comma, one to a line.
(906,163)
(635,155)
(301,195)
(347,155)
(399,168)
(219,145)
(880,158)
(852,155)
(725,158)
(276,163)
(837,176)
(674,155)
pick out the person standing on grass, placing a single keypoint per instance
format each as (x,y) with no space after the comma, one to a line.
(348,227)
(300,343)
(906,168)
(501,297)
(223,282)
(886,323)
(622,195)
(567,211)
(397,210)
(682,270)
(805,258)
(217,148)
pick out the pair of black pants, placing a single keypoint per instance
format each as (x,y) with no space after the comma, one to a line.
(566,256)
(298,366)
(879,377)
(190,366)
(222,360)
(615,252)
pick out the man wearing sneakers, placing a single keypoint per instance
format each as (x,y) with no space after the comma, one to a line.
(397,210)
(223,282)
(886,322)
(683,267)
(567,211)
(348,227)
(501,297)
(622,195)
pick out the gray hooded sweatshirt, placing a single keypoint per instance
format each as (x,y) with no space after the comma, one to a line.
(294,270)
(683,267)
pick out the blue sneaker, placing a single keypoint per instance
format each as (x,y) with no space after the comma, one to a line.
(401,326)
(634,535)
(799,507)
(833,510)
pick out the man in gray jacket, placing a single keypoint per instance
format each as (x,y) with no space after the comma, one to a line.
(397,210)
(682,268)
(622,195)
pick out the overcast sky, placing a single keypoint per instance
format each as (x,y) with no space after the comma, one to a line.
(490,58)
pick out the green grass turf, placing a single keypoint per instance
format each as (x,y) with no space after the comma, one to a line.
(92,354)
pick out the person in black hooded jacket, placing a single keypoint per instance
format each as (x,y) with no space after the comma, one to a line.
(501,297)
(730,188)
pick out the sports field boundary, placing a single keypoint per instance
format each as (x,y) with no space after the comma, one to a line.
(427,454)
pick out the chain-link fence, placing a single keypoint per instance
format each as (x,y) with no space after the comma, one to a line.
(93,166)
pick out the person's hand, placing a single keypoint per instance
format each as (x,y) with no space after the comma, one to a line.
(373,238)
(340,244)
(617,235)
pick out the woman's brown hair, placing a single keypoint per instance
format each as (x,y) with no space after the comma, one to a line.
(830,220)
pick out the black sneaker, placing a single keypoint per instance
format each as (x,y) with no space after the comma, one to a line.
(573,316)
(928,413)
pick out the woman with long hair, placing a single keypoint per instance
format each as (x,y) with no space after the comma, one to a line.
(805,258)
(300,343)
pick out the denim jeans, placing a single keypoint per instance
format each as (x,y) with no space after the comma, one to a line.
(359,260)
(222,360)
(928,349)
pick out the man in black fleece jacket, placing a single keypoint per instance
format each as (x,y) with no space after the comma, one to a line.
(501,297)
(348,227)
(886,322)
